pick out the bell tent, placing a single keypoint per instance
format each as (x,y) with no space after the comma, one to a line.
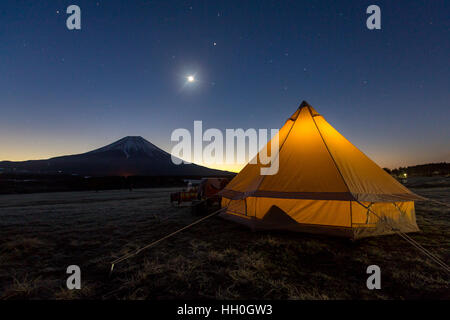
(324,184)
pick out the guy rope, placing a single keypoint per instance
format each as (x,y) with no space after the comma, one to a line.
(413,242)
(154,243)
(403,235)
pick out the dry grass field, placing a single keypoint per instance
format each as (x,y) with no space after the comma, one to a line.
(42,234)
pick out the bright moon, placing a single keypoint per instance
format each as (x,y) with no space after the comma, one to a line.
(190,78)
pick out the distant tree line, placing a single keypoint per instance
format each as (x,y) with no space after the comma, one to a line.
(429,169)
(31,183)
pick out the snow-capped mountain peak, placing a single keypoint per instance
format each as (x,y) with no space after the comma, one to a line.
(125,157)
(132,145)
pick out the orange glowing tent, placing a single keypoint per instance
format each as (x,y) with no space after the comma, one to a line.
(324,185)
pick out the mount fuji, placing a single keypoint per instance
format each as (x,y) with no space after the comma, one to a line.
(132,155)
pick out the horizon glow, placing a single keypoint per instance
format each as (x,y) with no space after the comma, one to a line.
(71,91)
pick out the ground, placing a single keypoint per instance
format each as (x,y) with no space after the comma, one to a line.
(42,234)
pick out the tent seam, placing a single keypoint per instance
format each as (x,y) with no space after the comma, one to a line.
(331,156)
(279,151)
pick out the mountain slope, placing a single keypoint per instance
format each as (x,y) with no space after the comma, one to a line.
(132,155)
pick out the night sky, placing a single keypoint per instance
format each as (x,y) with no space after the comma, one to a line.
(124,73)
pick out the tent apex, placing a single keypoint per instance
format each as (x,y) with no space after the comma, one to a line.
(304,104)
(311,109)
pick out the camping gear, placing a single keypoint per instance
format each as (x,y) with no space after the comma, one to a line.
(199,191)
(186,195)
(209,187)
(324,185)
(183,196)
(208,194)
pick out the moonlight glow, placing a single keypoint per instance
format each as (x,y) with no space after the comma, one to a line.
(190,78)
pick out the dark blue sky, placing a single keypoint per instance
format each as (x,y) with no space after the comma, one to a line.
(124,72)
